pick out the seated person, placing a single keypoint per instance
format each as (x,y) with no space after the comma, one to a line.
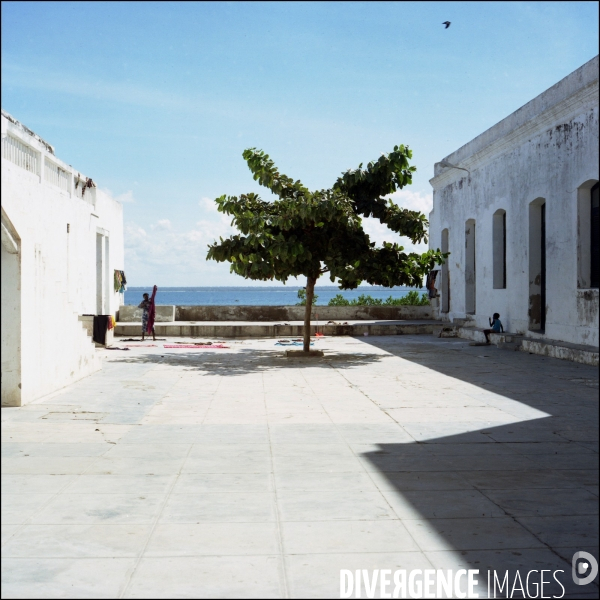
(496,327)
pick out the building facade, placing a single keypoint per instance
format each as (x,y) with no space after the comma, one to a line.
(62,239)
(517,208)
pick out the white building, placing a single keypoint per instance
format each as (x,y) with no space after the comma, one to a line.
(62,239)
(521,222)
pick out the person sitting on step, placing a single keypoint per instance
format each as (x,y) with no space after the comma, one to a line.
(496,327)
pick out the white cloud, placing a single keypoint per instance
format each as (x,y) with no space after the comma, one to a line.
(125,198)
(162,225)
(80,85)
(165,253)
(413,200)
(214,220)
(379,233)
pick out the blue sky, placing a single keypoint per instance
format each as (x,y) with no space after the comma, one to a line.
(156,101)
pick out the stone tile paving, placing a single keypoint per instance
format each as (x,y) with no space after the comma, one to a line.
(241,473)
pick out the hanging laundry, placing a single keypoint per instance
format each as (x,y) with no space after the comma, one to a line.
(120,281)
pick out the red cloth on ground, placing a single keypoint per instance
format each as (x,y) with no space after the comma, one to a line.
(151,312)
(194,346)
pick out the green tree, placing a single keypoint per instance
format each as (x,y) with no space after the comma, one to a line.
(302,298)
(412,298)
(338,300)
(310,233)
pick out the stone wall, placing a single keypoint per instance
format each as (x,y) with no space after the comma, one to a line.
(130,313)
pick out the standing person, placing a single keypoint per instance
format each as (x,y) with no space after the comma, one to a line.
(146,305)
(496,327)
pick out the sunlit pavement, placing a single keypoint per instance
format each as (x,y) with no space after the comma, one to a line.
(192,473)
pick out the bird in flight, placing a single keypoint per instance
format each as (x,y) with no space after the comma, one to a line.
(447,24)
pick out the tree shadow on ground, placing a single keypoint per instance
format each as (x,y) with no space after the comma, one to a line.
(245,361)
(502,498)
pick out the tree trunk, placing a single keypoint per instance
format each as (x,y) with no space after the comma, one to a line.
(310,292)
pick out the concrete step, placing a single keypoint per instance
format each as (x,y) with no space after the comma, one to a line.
(587,355)
(459,322)
(237,329)
(476,334)
(87,322)
(447,330)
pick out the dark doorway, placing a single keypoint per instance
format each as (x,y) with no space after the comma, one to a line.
(445,274)
(595,238)
(537,265)
(470,268)
(543,269)
(499,249)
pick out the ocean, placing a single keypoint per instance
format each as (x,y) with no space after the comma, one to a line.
(253,296)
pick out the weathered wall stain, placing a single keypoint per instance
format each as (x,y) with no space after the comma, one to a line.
(535,309)
(587,306)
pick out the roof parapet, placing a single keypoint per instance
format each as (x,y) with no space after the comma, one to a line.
(11,119)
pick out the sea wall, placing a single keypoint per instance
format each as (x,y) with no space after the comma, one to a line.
(131,313)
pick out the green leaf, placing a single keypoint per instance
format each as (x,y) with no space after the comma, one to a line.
(309,233)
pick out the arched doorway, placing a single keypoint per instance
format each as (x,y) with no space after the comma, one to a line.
(470,268)
(537,265)
(11,314)
(445,274)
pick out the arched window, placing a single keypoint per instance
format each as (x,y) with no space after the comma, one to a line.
(499,249)
(445,274)
(595,237)
(470,268)
(537,265)
(588,235)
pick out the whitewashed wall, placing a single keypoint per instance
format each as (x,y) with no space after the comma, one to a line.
(548,149)
(57,274)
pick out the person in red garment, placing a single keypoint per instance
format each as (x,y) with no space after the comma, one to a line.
(149,314)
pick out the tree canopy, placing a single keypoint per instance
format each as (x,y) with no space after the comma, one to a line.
(310,233)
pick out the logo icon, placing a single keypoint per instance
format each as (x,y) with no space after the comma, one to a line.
(584,568)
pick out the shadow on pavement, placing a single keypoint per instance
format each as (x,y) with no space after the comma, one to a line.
(249,361)
(510,498)
(518,497)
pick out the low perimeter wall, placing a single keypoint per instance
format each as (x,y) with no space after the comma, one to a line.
(131,313)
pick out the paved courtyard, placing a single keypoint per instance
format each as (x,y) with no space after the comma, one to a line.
(190,473)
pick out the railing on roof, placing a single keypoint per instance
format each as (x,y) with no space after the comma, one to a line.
(21,154)
(56,176)
(84,188)
(29,159)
